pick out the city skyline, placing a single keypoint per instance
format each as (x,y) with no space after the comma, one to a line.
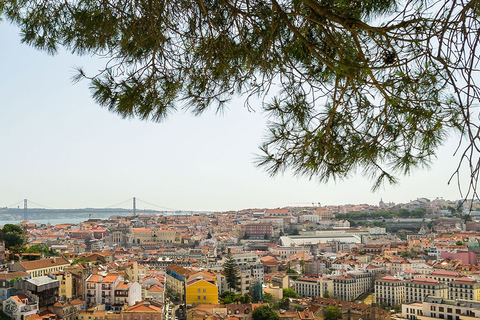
(62,150)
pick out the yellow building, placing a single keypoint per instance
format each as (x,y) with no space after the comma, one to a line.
(201,291)
(65,291)
(39,268)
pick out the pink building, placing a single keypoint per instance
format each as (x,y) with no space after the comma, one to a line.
(467,257)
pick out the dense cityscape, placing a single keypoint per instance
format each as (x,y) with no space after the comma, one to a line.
(417,260)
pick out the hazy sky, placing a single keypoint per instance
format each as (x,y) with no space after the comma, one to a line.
(61,150)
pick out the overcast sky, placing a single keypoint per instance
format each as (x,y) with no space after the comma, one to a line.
(61,150)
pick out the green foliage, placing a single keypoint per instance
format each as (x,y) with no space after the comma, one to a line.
(333,313)
(292,273)
(14,280)
(290,293)
(459,243)
(402,213)
(229,297)
(13,235)
(326,294)
(397,308)
(268,297)
(264,313)
(354,93)
(246,298)
(231,272)
(209,235)
(79,260)
(41,248)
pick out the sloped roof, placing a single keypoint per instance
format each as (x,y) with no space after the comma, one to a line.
(44,263)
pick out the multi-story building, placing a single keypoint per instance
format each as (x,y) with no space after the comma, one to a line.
(6,290)
(259,230)
(168,236)
(19,306)
(101,289)
(135,272)
(417,289)
(313,287)
(351,285)
(201,291)
(127,292)
(117,235)
(440,308)
(444,275)
(175,280)
(147,310)
(317,266)
(464,289)
(390,290)
(42,267)
(139,235)
(65,279)
(285,252)
(155,292)
(44,290)
(249,262)
(244,284)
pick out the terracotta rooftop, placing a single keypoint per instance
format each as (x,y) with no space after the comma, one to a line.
(44,263)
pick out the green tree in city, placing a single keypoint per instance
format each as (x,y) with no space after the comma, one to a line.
(231,272)
(349,86)
(290,293)
(13,235)
(326,294)
(15,280)
(264,313)
(227,297)
(292,273)
(332,313)
(268,297)
(246,298)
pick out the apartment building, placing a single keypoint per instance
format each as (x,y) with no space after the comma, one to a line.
(390,290)
(201,291)
(444,275)
(351,285)
(175,280)
(42,267)
(249,262)
(127,292)
(464,289)
(440,308)
(20,306)
(259,230)
(418,289)
(101,289)
(313,287)
(244,284)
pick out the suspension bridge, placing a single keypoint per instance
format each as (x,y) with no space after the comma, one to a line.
(28,205)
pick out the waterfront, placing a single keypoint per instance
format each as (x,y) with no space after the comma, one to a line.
(51,221)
